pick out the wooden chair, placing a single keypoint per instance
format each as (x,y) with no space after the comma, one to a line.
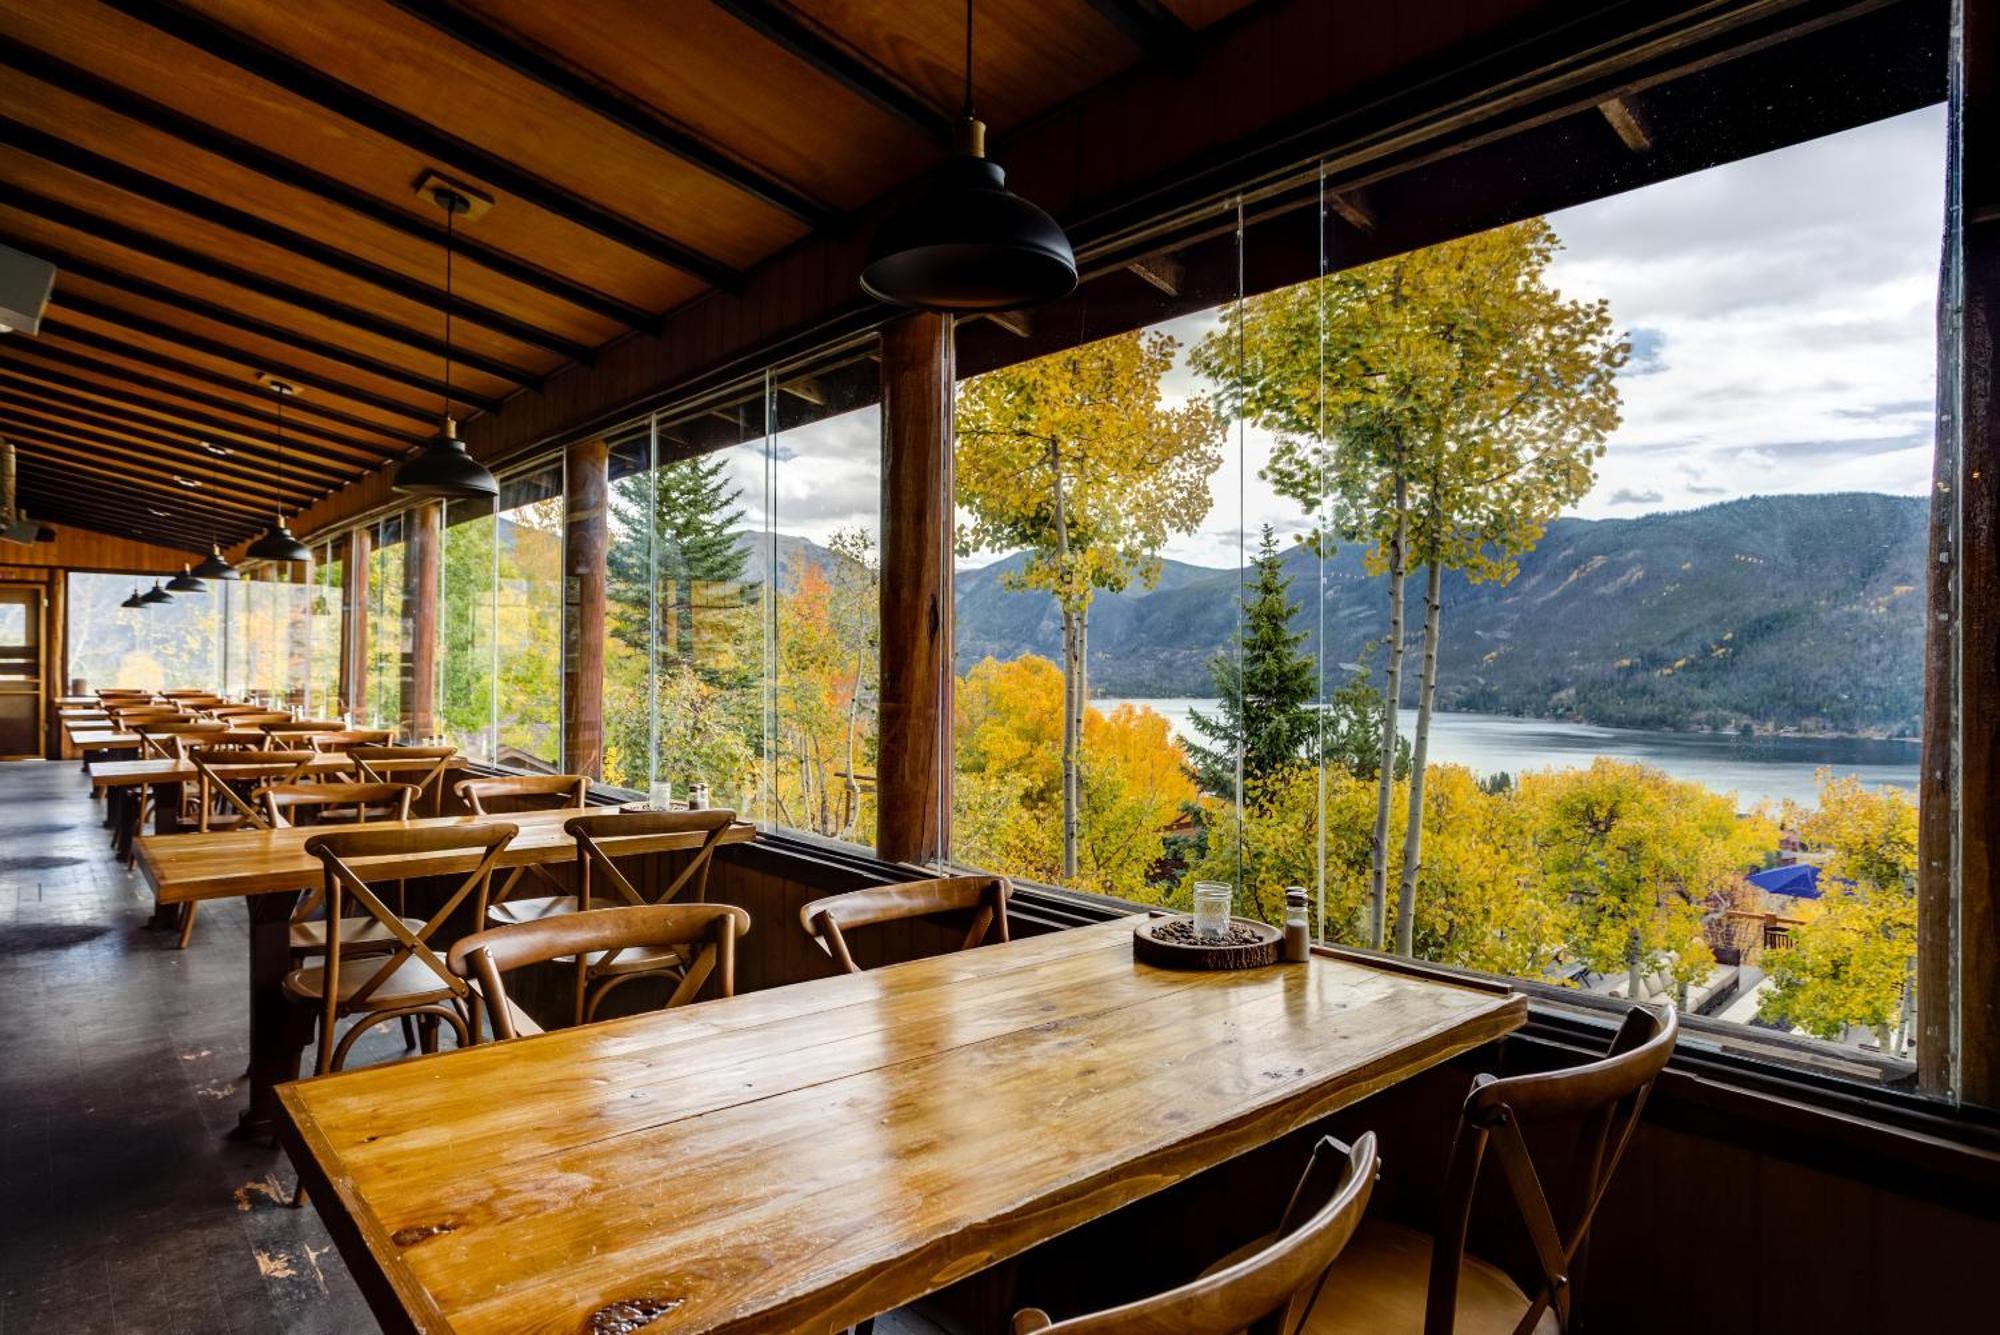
(226,779)
(1399,1279)
(347,804)
(157,741)
(349,738)
(1267,1291)
(983,897)
(389,764)
(408,978)
(523,792)
(293,735)
(234,710)
(259,719)
(702,935)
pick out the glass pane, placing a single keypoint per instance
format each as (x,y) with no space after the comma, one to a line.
(527,621)
(466,643)
(826,456)
(164,647)
(324,619)
(629,711)
(387,629)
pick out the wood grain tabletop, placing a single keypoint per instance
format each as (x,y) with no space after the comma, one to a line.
(807,1156)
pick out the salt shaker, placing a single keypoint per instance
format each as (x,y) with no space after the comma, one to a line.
(698,797)
(1298,928)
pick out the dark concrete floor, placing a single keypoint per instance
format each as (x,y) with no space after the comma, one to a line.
(124,1204)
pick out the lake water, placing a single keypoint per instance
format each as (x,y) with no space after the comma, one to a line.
(1753,769)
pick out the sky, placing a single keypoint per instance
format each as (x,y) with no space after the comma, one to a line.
(1781,314)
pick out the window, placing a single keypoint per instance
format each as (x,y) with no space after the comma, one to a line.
(164,646)
(323,617)
(389,632)
(527,542)
(466,640)
(1653,472)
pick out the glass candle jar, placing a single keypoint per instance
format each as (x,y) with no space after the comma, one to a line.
(661,797)
(1211,910)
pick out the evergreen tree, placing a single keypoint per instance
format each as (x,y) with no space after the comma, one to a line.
(699,568)
(1354,726)
(1267,690)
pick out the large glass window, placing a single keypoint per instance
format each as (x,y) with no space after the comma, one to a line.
(323,612)
(1548,601)
(527,541)
(389,631)
(466,641)
(166,646)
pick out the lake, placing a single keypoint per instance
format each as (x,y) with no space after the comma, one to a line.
(1754,769)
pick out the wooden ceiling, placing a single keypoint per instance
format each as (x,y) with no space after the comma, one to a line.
(228,189)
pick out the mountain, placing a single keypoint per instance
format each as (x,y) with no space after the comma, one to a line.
(1798,612)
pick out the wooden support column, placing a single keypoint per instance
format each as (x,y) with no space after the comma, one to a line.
(420,608)
(1958,916)
(916,635)
(586,539)
(355,549)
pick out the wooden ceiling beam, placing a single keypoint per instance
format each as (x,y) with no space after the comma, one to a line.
(56,328)
(110,508)
(238,470)
(1165,271)
(151,291)
(1150,25)
(255,361)
(529,61)
(79,458)
(249,157)
(108,171)
(120,407)
(451,154)
(1628,122)
(836,62)
(21,425)
(108,378)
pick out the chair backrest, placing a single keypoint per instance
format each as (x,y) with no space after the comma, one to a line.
(703,934)
(523,792)
(288,804)
(160,739)
(349,738)
(258,718)
(422,765)
(233,711)
(1606,1098)
(985,897)
(233,774)
(1268,1292)
(346,884)
(290,736)
(128,718)
(598,876)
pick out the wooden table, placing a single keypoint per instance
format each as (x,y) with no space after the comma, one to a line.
(112,778)
(272,867)
(809,1156)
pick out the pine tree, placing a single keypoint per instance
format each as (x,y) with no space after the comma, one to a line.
(1267,690)
(1353,734)
(700,562)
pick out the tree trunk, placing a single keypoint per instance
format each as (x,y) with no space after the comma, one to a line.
(1072,739)
(1385,788)
(1413,829)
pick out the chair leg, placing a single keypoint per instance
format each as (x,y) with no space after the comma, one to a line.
(427,1026)
(299,1195)
(187,923)
(409,1034)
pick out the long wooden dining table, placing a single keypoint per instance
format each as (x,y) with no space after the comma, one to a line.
(802,1158)
(271,868)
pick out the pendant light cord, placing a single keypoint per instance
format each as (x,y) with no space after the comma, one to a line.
(968,59)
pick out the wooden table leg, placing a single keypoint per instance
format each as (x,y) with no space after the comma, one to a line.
(166,820)
(279,1030)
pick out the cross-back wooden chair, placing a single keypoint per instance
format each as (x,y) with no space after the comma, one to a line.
(151,714)
(258,719)
(424,766)
(702,935)
(298,734)
(346,805)
(349,738)
(984,898)
(225,781)
(1269,1290)
(1395,1278)
(235,710)
(523,792)
(408,977)
(159,741)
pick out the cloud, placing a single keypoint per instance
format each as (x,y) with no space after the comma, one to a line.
(1622,496)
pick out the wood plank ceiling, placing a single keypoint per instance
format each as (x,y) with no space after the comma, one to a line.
(228,190)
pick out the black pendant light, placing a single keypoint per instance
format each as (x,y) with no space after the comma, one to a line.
(135,601)
(967,243)
(156,595)
(185,582)
(443,468)
(213,566)
(278,544)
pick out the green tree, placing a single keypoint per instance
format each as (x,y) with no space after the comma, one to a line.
(1077,459)
(1442,406)
(696,561)
(1266,689)
(1850,963)
(1351,731)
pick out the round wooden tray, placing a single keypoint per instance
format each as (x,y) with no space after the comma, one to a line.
(1168,954)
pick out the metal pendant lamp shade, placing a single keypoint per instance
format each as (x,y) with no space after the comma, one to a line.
(185,582)
(968,243)
(135,601)
(213,566)
(278,544)
(156,595)
(443,468)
